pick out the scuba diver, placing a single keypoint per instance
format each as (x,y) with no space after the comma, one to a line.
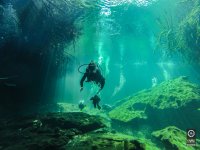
(81,105)
(93,73)
(96,101)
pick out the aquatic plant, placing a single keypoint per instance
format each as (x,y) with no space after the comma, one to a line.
(189,36)
(182,37)
(167,33)
(34,37)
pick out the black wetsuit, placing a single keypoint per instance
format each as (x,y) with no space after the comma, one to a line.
(93,74)
(96,101)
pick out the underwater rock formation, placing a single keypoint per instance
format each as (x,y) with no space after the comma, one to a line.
(47,131)
(65,131)
(167,103)
(67,107)
(174,139)
(111,141)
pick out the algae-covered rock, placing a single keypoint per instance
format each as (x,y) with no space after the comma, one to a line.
(111,141)
(172,94)
(67,107)
(45,131)
(65,131)
(174,139)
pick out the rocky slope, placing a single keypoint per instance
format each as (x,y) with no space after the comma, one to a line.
(174,139)
(64,131)
(170,103)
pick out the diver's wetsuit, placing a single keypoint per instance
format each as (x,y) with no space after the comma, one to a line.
(96,101)
(93,74)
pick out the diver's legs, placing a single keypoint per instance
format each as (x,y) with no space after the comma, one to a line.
(102,83)
(99,107)
(95,105)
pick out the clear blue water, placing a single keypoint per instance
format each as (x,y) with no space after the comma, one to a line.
(123,36)
(137,44)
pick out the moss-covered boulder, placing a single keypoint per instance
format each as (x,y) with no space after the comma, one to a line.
(169,94)
(67,107)
(111,141)
(174,139)
(165,103)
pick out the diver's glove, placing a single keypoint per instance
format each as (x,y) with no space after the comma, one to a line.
(81,89)
(99,91)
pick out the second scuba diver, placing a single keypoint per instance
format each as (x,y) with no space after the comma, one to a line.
(96,101)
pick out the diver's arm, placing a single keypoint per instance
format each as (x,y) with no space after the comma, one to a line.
(82,80)
(102,83)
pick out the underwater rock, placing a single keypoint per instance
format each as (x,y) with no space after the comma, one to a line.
(164,103)
(107,107)
(65,131)
(111,141)
(45,131)
(67,107)
(174,138)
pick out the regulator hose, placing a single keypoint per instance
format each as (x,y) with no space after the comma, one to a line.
(87,65)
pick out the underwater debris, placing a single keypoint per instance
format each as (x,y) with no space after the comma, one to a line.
(174,138)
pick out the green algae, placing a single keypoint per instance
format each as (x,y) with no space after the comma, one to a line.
(171,94)
(111,141)
(174,138)
(183,37)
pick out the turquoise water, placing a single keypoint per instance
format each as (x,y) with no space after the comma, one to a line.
(147,51)
(123,37)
